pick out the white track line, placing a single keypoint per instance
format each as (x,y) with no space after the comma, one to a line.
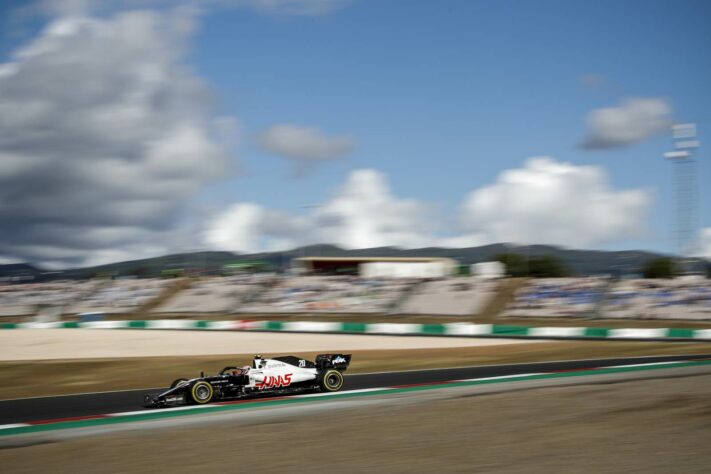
(643,365)
(14,425)
(514,376)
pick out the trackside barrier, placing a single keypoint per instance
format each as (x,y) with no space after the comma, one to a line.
(450,329)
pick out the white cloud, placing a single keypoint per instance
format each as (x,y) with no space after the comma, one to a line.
(555,203)
(306,146)
(704,243)
(543,202)
(249,227)
(104,136)
(236,228)
(631,122)
(362,213)
(365,213)
(303,142)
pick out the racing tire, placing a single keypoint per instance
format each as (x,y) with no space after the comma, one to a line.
(176,382)
(201,393)
(330,381)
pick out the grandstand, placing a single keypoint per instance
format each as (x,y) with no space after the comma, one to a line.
(26,299)
(120,296)
(329,294)
(557,297)
(686,298)
(458,296)
(215,295)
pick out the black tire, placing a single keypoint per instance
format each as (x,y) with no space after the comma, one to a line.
(176,382)
(201,393)
(330,381)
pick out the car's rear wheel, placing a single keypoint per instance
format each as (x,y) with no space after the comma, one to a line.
(331,381)
(176,382)
(202,392)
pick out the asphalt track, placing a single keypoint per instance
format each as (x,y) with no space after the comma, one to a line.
(70,406)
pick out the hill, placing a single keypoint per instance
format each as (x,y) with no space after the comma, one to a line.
(582,262)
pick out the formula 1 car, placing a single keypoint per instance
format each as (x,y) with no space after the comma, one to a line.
(277,376)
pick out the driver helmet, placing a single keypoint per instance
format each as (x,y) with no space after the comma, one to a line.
(258,361)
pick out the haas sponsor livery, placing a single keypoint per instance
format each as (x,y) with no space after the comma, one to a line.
(276,375)
(274,381)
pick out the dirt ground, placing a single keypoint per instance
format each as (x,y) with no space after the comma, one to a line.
(58,377)
(39,344)
(652,426)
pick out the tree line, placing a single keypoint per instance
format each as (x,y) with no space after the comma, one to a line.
(550,266)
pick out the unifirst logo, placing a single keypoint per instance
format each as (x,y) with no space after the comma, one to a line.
(271,381)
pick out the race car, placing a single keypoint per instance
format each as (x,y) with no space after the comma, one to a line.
(277,376)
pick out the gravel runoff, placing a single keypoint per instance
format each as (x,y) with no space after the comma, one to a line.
(43,344)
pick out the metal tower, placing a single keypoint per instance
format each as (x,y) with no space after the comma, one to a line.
(682,157)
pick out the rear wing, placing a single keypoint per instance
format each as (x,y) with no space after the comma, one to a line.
(333,361)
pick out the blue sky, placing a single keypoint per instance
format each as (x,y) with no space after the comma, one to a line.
(441,97)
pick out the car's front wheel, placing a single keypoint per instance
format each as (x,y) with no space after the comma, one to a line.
(202,392)
(331,381)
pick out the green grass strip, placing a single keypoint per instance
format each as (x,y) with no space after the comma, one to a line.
(353,327)
(433,329)
(509,330)
(596,332)
(680,332)
(273,325)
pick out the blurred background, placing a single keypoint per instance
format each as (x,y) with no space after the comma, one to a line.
(353,161)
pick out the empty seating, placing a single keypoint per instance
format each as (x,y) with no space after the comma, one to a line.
(686,298)
(329,294)
(450,296)
(26,299)
(220,294)
(120,296)
(557,297)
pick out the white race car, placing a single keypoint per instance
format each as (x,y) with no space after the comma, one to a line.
(278,375)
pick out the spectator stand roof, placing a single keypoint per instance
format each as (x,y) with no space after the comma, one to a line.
(352,264)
